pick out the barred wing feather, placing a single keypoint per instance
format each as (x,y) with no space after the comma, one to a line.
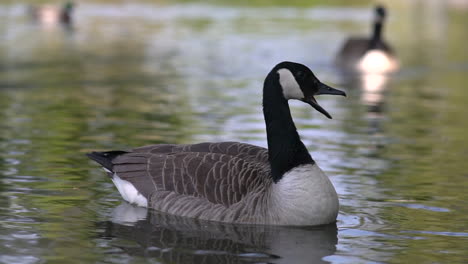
(220,173)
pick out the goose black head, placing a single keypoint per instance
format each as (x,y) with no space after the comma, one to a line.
(66,13)
(68,6)
(298,82)
(380,12)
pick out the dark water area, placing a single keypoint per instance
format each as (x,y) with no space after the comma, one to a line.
(129,74)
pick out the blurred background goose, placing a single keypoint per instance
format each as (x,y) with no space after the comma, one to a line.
(52,15)
(236,182)
(369,55)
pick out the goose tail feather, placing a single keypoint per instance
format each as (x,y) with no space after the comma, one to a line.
(105,158)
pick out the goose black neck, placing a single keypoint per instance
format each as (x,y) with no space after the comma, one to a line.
(285,148)
(66,13)
(376,34)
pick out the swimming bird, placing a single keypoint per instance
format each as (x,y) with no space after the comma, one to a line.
(236,182)
(52,15)
(369,55)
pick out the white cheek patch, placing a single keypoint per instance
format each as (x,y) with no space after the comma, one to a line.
(291,89)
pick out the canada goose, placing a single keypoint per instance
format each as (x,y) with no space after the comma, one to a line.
(52,15)
(231,181)
(369,55)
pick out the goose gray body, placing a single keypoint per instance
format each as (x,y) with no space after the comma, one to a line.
(231,181)
(52,15)
(221,179)
(355,48)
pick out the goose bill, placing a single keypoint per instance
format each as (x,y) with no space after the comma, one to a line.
(323,89)
(317,107)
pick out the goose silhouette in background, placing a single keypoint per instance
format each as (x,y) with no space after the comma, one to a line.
(236,182)
(52,15)
(369,55)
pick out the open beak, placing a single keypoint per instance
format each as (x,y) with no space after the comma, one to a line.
(323,89)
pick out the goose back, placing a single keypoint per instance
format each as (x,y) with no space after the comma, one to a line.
(356,48)
(50,15)
(215,181)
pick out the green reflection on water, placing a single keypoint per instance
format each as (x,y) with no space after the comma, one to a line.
(429,167)
(59,100)
(65,93)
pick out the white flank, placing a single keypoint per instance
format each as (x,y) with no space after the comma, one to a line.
(377,61)
(49,15)
(304,196)
(129,192)
(291,89)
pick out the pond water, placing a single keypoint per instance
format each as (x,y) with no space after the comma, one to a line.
(129,74)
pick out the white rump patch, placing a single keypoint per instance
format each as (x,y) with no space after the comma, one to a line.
(129,192)
(291,89)
(377,61)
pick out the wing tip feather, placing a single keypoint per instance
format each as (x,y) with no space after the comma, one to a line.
(105,158)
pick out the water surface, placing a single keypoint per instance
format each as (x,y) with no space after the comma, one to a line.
(130,74)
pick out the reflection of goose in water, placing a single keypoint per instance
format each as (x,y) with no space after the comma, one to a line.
(369,55)
(174,239)
(52,15)
(236,182)
(368,90)
(373,87)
